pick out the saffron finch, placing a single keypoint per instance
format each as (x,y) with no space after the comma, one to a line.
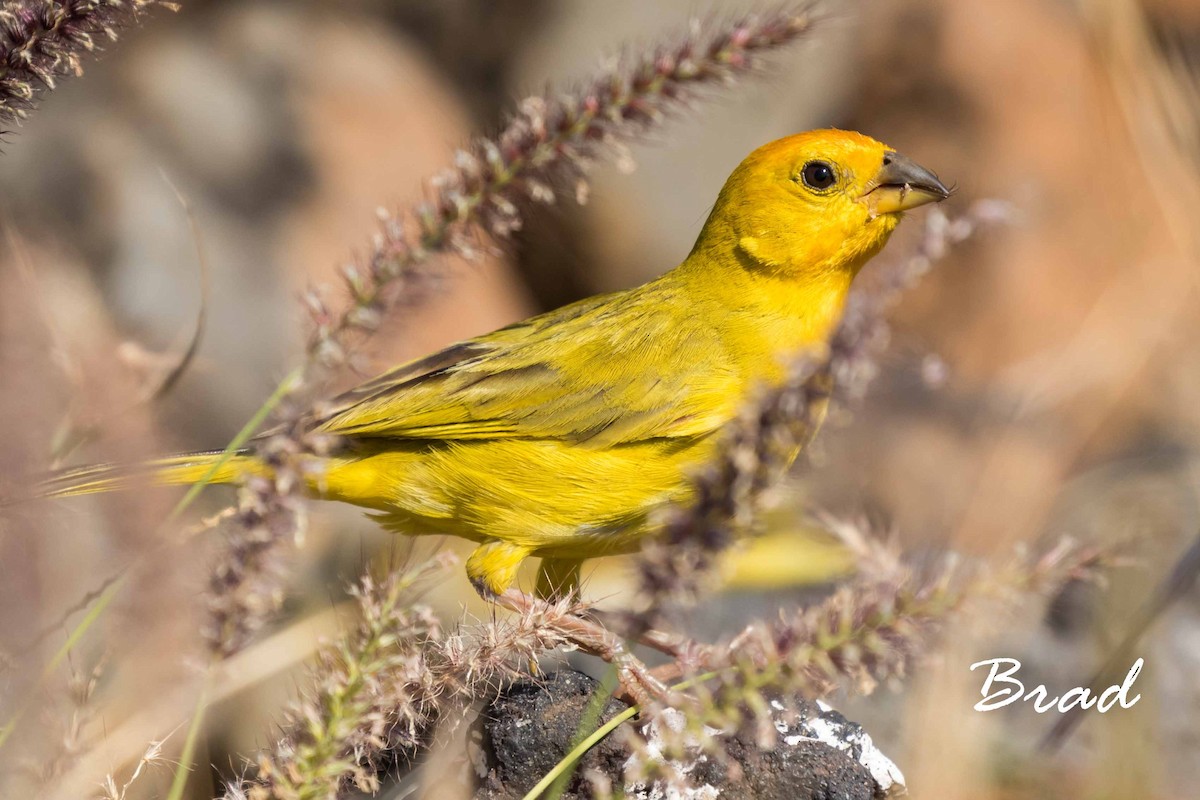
(560,436)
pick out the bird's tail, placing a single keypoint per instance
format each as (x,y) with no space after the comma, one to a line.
(173,471)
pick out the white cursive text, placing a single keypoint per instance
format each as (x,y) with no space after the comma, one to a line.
(1001,688)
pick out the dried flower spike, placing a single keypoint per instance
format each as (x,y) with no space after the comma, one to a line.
(548,143)
(42,40)
(542,154)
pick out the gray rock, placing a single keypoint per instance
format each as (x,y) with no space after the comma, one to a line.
(818,754)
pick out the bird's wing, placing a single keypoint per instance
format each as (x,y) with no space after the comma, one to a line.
(616,368)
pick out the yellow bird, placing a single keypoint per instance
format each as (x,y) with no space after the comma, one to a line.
(561,435)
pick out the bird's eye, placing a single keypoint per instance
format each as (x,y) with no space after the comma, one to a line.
(818,175)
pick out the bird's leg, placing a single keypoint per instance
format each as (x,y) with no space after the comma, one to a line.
(558,577)
(593,638)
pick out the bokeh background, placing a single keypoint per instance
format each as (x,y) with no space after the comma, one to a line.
(1042,381)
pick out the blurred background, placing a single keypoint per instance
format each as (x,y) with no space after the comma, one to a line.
(1042,381)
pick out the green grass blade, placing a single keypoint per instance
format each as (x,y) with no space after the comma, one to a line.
(285,387)
(184,769)
(102,602)
(587,722)
(569,761)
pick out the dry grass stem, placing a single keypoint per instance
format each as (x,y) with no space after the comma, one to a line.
(379,693)
(547,145)
(542,153)
(865,634)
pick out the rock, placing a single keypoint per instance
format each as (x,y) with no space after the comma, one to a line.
(819,755)
(530,727)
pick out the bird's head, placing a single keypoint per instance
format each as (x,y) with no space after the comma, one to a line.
(816,203)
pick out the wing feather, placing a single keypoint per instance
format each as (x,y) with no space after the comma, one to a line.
(615,368)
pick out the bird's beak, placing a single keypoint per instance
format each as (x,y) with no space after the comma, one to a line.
(902,184)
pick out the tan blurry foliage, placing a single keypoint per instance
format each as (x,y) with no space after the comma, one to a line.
(69,387)
(378,121)
(1051,328)
(1070,338)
